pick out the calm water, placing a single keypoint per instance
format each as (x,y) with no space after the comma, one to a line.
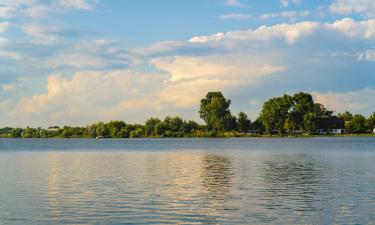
(188,181)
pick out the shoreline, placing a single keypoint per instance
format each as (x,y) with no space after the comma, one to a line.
(215,137)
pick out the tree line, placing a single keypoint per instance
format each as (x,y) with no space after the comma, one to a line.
(284,115)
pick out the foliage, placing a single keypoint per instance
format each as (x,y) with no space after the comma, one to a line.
(214,110)
(280,114)
(243,123)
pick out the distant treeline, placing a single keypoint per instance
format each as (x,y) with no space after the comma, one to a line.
(285,115)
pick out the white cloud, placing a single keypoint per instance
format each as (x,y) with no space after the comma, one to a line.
(289,32)
(362,29)
(259,62)
(11,55)
(36,8)
(42,34)
(347,7)
(286,3)
(7,12)
(4,26)
(236,16)
(360,101)
(75,4)
(192,77)
(235,3)
(293,32)
(290,15)
(369,55)
(90,95)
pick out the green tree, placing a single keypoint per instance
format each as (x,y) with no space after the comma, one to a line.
(357,124)
(190,126)
(150,126)
(346,116)
(303,104)
(102,129)
(214,110)
(114,128)
(321,111)
(370,122)
(243,123)
(275,113)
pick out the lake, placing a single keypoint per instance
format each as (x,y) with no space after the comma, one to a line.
(188,181)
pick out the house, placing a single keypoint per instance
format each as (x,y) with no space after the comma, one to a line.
(53,129)
(373,131)
(332,125)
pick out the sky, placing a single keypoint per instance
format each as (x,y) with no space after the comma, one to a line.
(75,62)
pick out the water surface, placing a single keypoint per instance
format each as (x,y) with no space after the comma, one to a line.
(188,181)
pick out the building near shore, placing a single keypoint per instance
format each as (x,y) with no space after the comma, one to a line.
(333,125)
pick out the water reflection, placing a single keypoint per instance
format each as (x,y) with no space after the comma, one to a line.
(290,182)
(188,187)
(216,175)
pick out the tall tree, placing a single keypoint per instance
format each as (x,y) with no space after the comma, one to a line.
(370,122)
(243,123)
(357,124)
(303,104)
(150,126)
(214,110)
(275,113)
(346,116)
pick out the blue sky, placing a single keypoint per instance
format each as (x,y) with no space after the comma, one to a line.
(75,62)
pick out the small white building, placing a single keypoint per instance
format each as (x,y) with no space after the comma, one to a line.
(338,131)
(373,131)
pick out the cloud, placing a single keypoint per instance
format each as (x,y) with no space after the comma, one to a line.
(7,12)
(293,32)
(99,80)
(365,8)
(360,101)
(236,16)
(89,95)
(235,3)
(192,77)
(4,26)
(37,8)
(369,55)
(290,15)
(76,4)
(287,3)
(11,55)
(89,55)
(289,32)
(42,34)
(362,29)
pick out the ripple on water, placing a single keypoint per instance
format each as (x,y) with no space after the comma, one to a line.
(204,183)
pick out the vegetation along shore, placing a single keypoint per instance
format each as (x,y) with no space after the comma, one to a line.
(287,115)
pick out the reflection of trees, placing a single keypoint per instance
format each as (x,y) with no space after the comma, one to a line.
(290,183)
(216,175)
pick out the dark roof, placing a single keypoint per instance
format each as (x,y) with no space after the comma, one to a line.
(331,123)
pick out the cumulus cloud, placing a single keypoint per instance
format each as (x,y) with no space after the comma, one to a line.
(365,8)
(261,62)
(192,77)
(360,101)
(88,95)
